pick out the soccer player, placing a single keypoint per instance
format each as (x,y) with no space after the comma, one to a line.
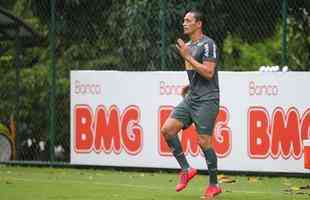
(200,104)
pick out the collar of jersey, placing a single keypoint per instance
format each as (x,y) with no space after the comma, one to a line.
(198,42)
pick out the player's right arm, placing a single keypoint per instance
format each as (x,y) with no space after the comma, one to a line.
(207,68)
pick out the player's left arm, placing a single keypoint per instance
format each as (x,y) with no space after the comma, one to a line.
(207,68)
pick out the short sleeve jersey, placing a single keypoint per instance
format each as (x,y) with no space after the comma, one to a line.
(200,87)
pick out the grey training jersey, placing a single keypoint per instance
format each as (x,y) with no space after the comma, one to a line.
(200,87)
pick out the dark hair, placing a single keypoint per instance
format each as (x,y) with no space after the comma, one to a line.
(197,15)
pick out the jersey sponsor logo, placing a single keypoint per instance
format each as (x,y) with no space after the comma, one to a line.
(188,65)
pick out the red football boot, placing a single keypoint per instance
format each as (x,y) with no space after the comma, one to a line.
(212,191)
(185,177)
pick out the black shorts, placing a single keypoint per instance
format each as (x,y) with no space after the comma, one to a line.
(203,114)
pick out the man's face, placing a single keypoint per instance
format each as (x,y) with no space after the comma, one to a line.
(190,25)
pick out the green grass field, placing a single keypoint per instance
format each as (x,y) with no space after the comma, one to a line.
(30,183)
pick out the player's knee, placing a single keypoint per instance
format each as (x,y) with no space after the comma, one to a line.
(164,130)
(167,131)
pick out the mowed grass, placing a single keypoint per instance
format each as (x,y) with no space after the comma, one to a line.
(31,183)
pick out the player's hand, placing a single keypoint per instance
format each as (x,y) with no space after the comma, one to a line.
(183,49)
(184,91)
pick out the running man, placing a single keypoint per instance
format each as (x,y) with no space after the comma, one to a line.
(200,104)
